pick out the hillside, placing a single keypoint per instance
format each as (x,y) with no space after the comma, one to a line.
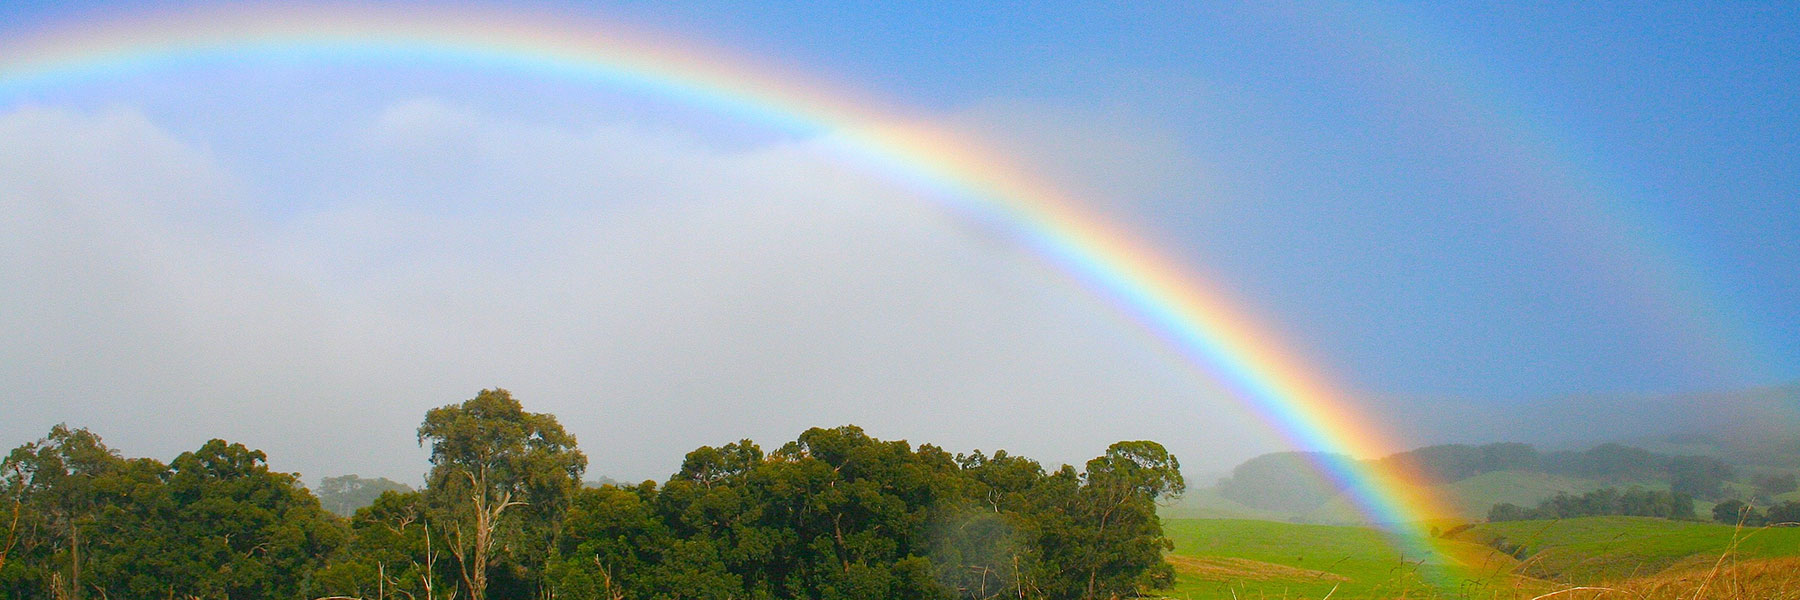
(1472,497)
(1239,558)
(1648,558)
(1596,549)
(1470,480)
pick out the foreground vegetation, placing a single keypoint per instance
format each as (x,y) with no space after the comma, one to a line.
(835,514)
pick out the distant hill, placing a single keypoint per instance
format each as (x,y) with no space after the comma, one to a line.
(1206,503)
(1743,417)
(1710,446)
(345,494)
(602,481)
(1280,482)
(1473,496)
(1472,479)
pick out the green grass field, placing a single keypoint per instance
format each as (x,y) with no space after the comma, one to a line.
(1241,558)
(1248,559)
(1594,549)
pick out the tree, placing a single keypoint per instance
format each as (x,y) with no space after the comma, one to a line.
(221,525)
(11,539)
(1507,511)
(55,478)
(489,456)
(1698,476)
(1785,513)
(214,523)
(834,515)
(393,552)
(848,514)
(1140,469)
(610,540)
(1633,501)
(838,515)
(1775,484)
(1737,512)
(1121,488)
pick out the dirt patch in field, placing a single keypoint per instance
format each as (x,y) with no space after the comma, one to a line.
(1220,568)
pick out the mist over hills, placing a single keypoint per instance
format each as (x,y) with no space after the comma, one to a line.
(1711,447)
(1470,480)
(1743,417)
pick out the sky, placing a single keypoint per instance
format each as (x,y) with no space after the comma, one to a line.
(1479,220)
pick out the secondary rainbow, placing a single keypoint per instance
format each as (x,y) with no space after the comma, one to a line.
(1190,316)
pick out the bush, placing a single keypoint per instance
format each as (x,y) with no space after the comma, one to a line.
(1775,484)
(1736,512)
(1784,513)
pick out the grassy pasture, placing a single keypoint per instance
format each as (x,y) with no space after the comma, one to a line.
(1241,558)
(1640,558)
(1598,549)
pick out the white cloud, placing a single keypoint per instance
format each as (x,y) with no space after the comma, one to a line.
(653,292)
(131,301)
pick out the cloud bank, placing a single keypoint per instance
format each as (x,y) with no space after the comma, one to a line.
(652,291)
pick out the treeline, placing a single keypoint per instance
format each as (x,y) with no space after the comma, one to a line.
(1696,476)
(1289,481)
(1632,502)
(834,514)
(1738,512)
(80,521)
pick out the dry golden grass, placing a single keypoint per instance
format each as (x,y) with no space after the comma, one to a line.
(1725,577)
(1748,564)
(1767,579)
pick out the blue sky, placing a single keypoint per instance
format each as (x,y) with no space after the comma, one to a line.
(1459,205)
(1344,119)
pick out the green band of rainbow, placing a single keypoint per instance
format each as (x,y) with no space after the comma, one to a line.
(1188,315)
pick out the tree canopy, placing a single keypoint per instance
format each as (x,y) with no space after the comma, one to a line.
(213,523)
(834,514)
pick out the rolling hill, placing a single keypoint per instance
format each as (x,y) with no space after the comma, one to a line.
(1646,558)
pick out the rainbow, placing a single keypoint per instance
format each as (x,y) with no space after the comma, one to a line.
(1607,224)
(1192,317)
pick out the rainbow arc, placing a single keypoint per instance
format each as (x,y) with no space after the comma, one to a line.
(1189,314)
